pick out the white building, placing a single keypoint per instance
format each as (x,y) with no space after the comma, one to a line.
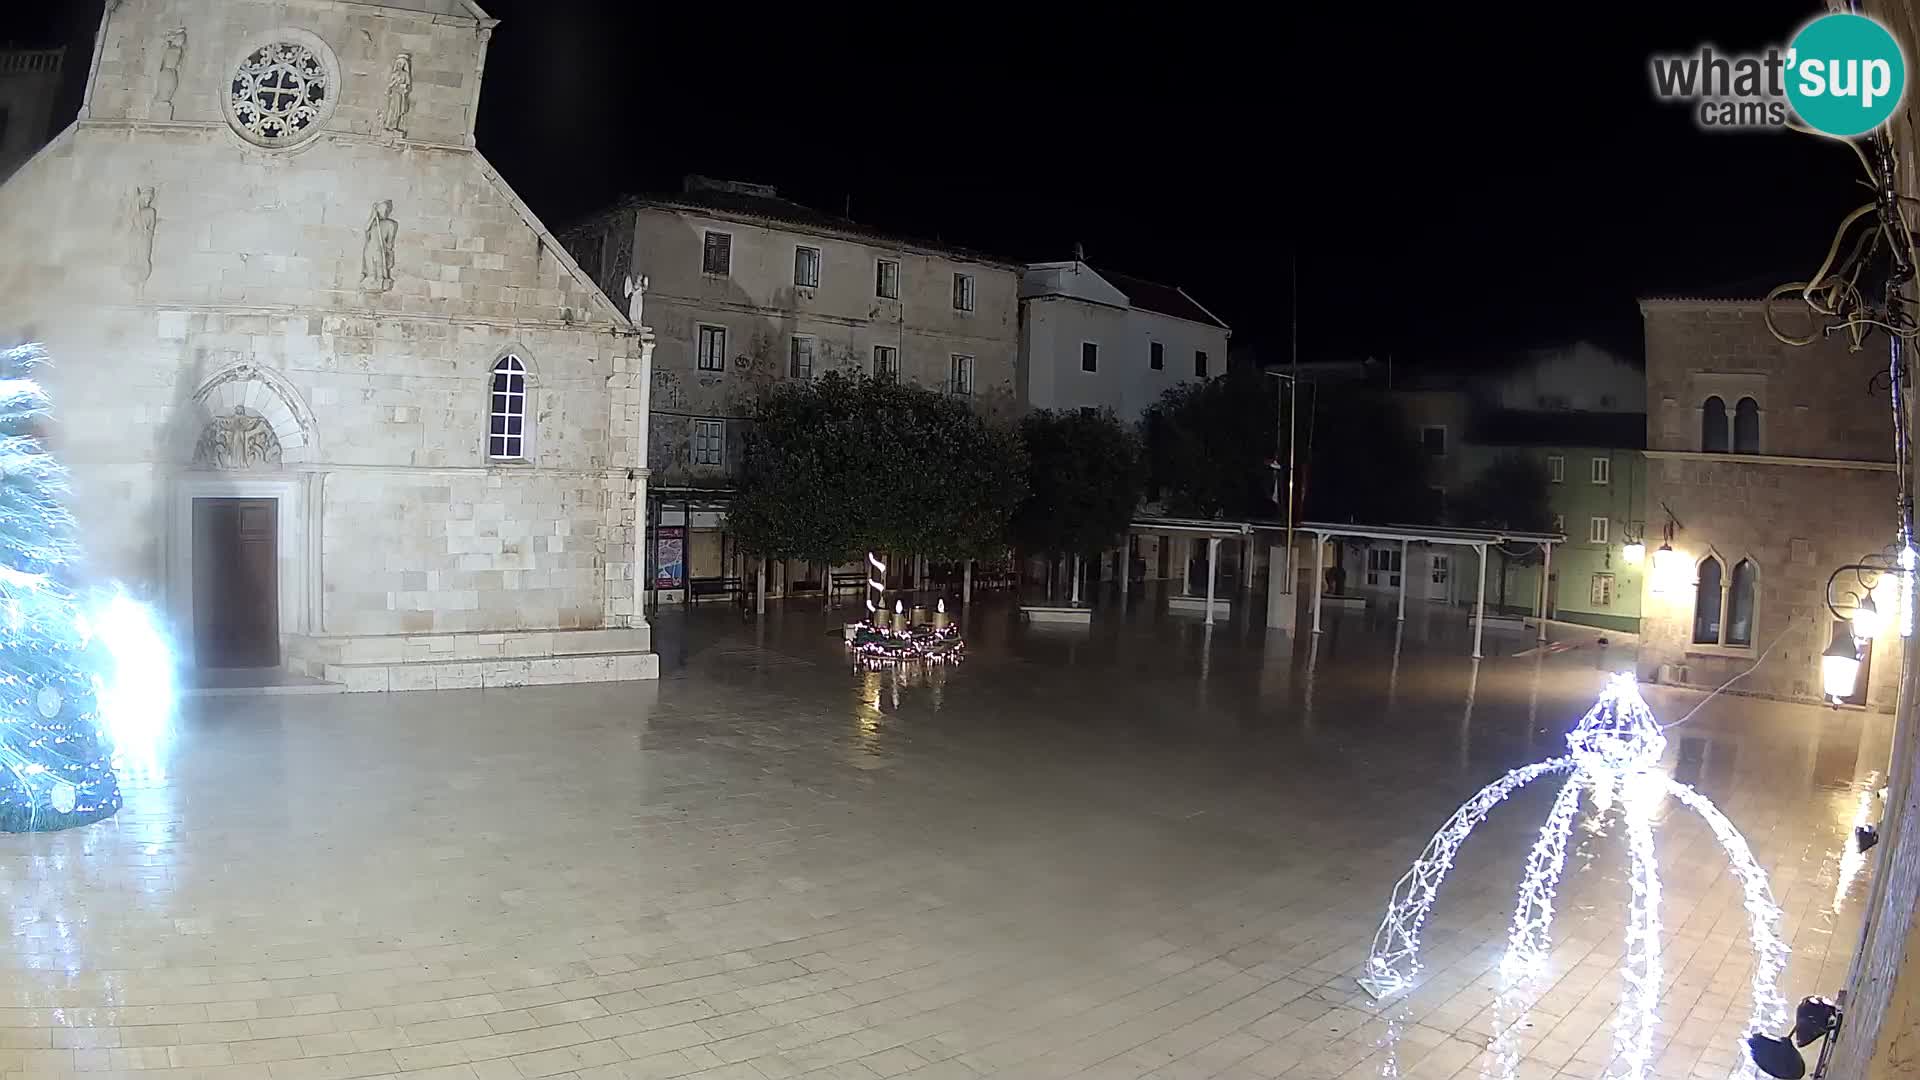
(1097,339)
(746,289)
(327,386)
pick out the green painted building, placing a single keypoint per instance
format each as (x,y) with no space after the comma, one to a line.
(1596,491)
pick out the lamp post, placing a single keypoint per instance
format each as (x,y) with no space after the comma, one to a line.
(1290,384)
(1861,597)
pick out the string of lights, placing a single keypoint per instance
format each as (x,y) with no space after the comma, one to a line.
(1615,752)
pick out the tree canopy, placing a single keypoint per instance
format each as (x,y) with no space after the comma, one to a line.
(1363,461)
(1208,444)
(1084,474)
(841,464)
(1510,493)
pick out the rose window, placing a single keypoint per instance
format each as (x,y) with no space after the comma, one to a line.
(279,94)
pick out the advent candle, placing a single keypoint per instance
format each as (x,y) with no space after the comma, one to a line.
(899,617)
(940,615)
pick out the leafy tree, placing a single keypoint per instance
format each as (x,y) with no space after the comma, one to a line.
(798,490)
(845,463)
(1511,493)
(1207,447)
(1084,474)
(1363,461)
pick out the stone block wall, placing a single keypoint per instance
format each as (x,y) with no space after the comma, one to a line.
(1813,399)
(256,260)
(1797,524)
(446,54)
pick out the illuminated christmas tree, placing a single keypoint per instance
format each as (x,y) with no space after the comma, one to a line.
(55,767)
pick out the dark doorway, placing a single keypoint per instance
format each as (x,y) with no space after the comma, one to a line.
(236,583)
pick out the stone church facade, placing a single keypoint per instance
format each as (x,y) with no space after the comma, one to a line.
(328,389)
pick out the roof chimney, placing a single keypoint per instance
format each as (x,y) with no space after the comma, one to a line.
(1079,252)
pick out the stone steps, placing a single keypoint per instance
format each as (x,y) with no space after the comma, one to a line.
(454,674)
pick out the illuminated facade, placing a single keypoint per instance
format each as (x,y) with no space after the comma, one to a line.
(1773,465)
(327,386)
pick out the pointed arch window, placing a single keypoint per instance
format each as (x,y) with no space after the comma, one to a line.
(507,419)
(1707,602)
(1740,598)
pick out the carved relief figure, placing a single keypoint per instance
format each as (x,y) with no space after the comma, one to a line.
(141,223)
(636,294)
(167,82)
(399,94)
(376,253)
(237,441)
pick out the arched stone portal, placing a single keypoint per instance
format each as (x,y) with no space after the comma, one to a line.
(248,417)
(242,575)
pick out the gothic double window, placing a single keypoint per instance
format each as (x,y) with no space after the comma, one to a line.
(1723,604)
(1741,435)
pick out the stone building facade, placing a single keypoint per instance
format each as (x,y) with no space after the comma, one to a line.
(327,386)
(745,289)
(1773,465)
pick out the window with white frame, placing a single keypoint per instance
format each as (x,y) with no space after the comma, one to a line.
(1383,565)
(886,279)
(1556,469)
(1596,530)
(961,379)
(710,442)
(507,414)
(800,357)
(963,292)
(716,254)
(1601,591)
(1089,356)
(1602,470)
(1560,524)
(806,267)
(712,351)
(886,363)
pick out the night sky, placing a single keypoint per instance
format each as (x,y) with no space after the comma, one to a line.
(1454,181)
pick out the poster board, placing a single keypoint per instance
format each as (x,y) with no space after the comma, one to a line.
(669,557)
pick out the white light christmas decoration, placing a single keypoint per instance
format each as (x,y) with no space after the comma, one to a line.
(1615,752)
(136,692)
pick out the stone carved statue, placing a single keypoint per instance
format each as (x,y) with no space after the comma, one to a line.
(636,294)
(240,440)
(167,82)
(376,252)
(399,94)
(142,221)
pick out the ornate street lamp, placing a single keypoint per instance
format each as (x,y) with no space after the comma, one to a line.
(1862,597)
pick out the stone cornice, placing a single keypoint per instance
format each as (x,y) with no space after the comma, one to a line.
(1774,459)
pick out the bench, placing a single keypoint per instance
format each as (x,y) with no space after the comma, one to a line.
(712,586)
(849,581)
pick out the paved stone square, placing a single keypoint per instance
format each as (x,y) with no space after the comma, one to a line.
(1142,851)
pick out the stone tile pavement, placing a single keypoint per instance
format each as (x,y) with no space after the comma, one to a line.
(1146,850)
